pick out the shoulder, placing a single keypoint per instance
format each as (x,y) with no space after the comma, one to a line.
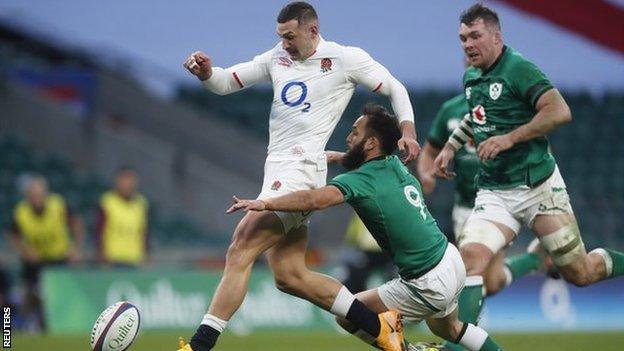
(517,64)
(56,199)
(471,73)
(354,54)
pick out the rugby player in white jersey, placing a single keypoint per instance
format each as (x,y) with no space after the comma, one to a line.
(313,81)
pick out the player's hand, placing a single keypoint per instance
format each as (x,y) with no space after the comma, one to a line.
(409,149)
(492,146)
(199,65)
(246,205)
(334,156)
(441,163)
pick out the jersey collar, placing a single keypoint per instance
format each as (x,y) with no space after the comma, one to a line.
(498,59)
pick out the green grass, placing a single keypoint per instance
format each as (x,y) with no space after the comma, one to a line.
(323,341)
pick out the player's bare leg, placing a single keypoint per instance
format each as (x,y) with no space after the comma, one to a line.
(560,236)
(495,278)
(287,260)
(468,335)
(255,233)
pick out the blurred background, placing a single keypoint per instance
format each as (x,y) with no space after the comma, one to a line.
(96,106)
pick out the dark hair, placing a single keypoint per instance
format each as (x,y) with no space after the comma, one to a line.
(478,10)
(299,10)
(382,125)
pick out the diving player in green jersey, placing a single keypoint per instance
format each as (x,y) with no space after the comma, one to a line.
(466,165)
(513,107)
(389,201)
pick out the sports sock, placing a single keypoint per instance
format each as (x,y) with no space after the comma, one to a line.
(206,335)
(364,318)
(474,338)
(522,264)
(614,261)
(347,306)
(470,304)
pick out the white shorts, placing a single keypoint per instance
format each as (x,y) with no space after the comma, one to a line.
(285,174)
(520,205)
(460,217)
(433,295)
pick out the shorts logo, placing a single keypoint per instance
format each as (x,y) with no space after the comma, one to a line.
(284,61)
(495,90)
(276,185)
(468,92)
(478,115)
(326,65)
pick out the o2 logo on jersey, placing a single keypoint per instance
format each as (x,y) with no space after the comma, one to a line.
(413,196)
(478,115)
(298,101)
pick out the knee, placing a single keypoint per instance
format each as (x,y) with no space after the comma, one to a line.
(476,258)
(451,332)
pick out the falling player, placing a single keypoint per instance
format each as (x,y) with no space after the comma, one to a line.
(389,201)
(313,80)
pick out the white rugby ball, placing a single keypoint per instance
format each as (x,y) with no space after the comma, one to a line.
(116,328)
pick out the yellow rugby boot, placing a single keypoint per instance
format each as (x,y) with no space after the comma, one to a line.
(391,332)
(183,346)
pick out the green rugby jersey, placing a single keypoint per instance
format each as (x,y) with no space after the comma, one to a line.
(466,160)
(388,200)
(501,99)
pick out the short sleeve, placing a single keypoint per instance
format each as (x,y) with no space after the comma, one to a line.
(529,81)
(354,185)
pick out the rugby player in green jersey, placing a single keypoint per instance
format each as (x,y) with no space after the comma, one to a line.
(466,165)
(513,106)
(389,201)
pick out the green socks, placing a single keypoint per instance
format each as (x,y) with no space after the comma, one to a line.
(490,345)
(470,304)
(522,264)
(614,261)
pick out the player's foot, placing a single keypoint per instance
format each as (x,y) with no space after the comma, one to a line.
(391,333)
(183,346)
(424,346)
(548,266)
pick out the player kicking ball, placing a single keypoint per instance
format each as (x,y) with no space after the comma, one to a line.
(389,201)
(313,81)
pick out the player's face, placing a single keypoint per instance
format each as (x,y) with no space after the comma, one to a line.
(356,155)
(298,40)
(126,183)
(37,193)
(480,43)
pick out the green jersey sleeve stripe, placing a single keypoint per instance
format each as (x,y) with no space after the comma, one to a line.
(536,91)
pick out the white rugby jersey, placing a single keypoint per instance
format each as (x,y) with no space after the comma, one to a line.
(311,95)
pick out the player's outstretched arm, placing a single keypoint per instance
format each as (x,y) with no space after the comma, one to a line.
(225,81)
(299,201)
(552,111)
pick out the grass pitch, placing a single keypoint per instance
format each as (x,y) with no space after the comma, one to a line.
(322,341)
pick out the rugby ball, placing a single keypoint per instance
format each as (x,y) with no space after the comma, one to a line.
(116,328)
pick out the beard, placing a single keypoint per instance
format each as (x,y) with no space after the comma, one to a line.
(354,157)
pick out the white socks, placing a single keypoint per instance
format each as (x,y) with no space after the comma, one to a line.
(215,323)
(607,259)
(473,338)
(342,303)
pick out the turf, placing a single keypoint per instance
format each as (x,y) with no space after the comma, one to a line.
(325,341)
